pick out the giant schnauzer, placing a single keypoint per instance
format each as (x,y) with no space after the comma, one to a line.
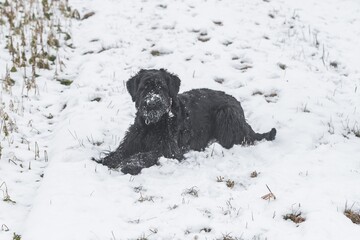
(170,124)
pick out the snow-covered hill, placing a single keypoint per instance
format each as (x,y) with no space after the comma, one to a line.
(292,64)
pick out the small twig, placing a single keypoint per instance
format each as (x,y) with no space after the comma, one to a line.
(113,235)
(37,152)
(4,228)
(46,156)
(268,188)
(269,195)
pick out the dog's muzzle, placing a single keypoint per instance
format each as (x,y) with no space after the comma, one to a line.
(154,108)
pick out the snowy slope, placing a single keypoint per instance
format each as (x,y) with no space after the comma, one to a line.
(293,65)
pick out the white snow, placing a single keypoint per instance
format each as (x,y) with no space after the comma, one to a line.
(312,167)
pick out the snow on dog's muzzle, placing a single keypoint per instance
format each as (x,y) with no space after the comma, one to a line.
(152,100)
(154,106)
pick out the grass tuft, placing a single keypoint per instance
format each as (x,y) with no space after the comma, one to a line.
(65,82)
(334,64)
(254,174)
(230,183)
(193,191)
(353,215)
(16,237)
(294,217)
(206,229)
(157,53)
(145,198)
(282,66)
(270,195)
(6,196)
(227,236)
(88,15)
(218,23)
(219,80)
(220,179)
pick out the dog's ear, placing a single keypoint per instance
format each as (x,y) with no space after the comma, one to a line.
(173,83)
(132,84)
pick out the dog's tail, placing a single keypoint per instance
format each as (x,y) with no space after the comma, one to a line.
(269,136)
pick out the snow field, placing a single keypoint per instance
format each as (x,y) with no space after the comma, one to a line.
(292,66)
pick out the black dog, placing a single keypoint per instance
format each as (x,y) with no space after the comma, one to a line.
(170,124)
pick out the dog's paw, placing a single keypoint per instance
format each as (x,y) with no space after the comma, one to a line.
(272,134)
(135,163)
(131,169)
(111,161)
(98,160)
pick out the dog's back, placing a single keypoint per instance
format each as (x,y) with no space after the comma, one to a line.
(217,115)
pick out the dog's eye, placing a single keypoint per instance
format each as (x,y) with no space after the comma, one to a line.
(159,85)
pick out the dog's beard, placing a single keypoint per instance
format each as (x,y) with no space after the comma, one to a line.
(152,116)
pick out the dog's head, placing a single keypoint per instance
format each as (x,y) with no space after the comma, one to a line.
(154,92)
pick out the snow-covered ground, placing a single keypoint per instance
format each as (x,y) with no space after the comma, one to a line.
(293,65)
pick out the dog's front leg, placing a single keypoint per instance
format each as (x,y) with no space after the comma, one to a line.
(130,145)
(113,160)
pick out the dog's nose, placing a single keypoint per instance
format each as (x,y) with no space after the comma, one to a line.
(151,103)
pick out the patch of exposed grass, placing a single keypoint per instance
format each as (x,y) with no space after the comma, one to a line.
(4,228)
(227,236)
(294,217)
(353,215)
(257,93)
(218,23)
(230,183)
(16,237)
(271,97)
(227,43)
(282,66)
(193,191)
(34,35)
(270,195)
(206,229)
(157,53)
(145,198)
(6,196)
(271,15)
(254,174)
(203,37)
(334,64)
(219,80)
(143,237)
(220,179)
(244,67)
(65,82)
(305,109)
(88,15)
(356,131)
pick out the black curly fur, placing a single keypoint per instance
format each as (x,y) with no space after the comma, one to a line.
(170,124)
